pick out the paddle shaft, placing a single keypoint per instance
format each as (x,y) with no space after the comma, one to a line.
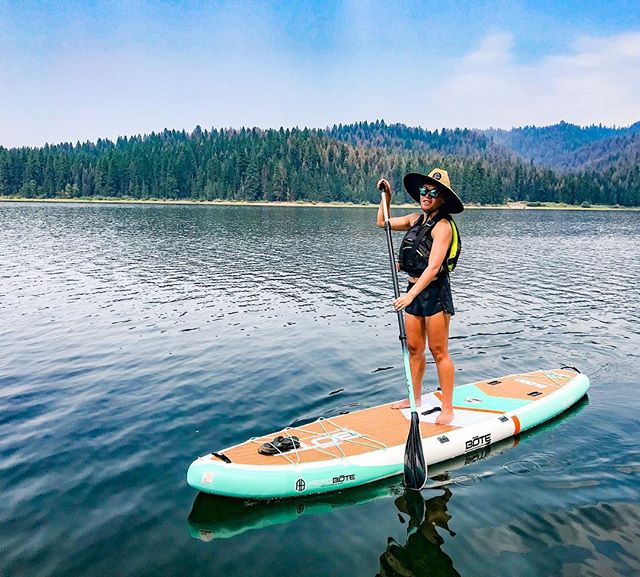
(396,291)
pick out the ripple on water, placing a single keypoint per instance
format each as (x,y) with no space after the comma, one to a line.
(136,337)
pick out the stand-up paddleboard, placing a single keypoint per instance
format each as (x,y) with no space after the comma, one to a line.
(216,517)
(368,445)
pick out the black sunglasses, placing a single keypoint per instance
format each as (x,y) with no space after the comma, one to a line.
(432,192)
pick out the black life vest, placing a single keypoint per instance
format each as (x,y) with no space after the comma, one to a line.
(415,248)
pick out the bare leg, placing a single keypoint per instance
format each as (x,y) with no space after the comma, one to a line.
(438,336)
(416,342)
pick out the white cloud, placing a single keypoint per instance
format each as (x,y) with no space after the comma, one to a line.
(597,81)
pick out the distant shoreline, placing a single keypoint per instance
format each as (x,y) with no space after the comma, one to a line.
(306,203)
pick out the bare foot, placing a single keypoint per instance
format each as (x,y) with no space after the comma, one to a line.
(445,417)
(403,405)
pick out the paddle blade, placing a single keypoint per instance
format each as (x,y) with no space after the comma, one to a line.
(415,467)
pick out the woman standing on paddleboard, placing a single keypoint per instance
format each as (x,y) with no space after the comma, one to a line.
(427,253)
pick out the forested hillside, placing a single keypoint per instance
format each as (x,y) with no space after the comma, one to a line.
(337,164)
(618,152)
(567,146)
(448,142)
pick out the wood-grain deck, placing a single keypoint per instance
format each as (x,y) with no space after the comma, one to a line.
(382,426)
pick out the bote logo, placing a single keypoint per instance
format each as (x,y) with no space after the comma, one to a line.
(343,478)
(477,441)
(301,485)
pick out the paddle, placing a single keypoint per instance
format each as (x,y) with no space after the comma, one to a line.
(415,467)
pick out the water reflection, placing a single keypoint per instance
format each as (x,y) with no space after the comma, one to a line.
(215,517)
(422,554)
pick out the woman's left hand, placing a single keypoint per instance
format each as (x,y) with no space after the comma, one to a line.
(402,302)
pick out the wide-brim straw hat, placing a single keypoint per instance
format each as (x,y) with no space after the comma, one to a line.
(440,179)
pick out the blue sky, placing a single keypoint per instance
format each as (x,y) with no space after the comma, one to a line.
(84,70)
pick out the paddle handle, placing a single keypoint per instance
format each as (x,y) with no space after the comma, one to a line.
(396,292)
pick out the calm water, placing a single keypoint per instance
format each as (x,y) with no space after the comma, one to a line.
(135,338)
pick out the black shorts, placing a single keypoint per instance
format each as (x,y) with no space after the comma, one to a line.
(434,298)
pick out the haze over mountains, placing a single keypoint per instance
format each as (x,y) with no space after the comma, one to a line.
(559,163)
(560,146)
(572,147)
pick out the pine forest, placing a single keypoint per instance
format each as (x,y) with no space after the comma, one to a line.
(564,163)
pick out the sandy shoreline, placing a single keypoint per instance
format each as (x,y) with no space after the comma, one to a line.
(508,206)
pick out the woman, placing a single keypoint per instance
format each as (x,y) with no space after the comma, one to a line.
(428,304)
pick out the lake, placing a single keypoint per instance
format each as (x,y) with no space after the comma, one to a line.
(135,338)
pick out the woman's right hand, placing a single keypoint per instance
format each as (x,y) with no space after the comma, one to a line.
(383,184)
